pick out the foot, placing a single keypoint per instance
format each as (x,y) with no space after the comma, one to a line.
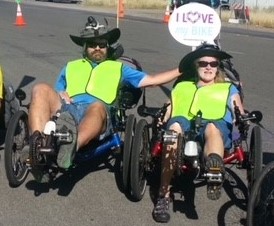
(161,210)
(66,124)
(40,176)
(215,176)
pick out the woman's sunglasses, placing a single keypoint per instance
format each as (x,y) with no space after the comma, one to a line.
(205,63)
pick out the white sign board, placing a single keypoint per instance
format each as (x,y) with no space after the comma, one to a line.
(194,23)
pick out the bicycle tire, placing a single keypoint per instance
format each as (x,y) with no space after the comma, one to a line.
(260,208)
(139,158)
(16,138)
(255,156)
(129,134)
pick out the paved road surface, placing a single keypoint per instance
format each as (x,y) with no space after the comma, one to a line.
(90,195)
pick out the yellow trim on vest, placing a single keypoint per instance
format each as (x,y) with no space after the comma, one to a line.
(181,97)
(104,81)
(77,76)
(101,82)
(211,100)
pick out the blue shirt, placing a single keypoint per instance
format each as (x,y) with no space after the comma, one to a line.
(129,75)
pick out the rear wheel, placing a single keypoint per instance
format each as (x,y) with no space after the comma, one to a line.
(17,137)
(129,133)
(255,156)
(260,209)
(139,158)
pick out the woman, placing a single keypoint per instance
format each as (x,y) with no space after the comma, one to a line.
(209,94)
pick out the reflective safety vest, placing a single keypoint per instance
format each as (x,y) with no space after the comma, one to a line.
(211,100)
(101,82)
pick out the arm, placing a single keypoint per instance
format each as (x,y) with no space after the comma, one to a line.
(160,78)
(168,112)
(60,86)
(237,100)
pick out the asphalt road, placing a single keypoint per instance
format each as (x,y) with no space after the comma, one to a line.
(90,195)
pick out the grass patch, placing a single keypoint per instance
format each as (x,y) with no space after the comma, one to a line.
(131,4)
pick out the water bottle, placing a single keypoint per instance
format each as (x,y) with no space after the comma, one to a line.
(49,127)
(191,148)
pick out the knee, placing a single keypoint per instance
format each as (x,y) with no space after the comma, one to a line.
(97,109)
(212,130)
(41,90)
(176,127)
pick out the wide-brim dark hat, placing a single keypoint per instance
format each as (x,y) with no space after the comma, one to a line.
(111,36)
(204,50)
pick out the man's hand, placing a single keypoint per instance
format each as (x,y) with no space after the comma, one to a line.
(64,96)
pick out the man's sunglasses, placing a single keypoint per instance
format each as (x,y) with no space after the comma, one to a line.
(94,45)
(205,63)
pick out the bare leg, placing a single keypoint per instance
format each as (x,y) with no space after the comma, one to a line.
(214,151)
(168,163)
(92,125)
(213,141)
(161,210)
(44,103)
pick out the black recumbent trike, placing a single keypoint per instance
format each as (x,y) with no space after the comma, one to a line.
(150,137)
(43,151)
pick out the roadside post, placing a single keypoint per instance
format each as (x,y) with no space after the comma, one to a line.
(120,10)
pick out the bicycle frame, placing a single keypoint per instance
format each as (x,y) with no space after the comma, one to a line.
(237,156)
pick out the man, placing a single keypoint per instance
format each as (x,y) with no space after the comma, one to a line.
(85,89)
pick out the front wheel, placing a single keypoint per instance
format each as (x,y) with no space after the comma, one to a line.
(139,158)
(255,156)
(260,209)
(17,137)
(129,134)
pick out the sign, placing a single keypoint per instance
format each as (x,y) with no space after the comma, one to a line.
(194,23)
(18,1)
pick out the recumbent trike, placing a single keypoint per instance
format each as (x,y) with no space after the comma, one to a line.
(43,151)
(150,138)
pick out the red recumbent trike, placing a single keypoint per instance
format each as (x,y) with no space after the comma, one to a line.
(149,139)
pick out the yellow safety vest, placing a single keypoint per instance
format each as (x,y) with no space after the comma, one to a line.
(188,100)
(101,82)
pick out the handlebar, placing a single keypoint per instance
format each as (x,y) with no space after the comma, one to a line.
(254,116)
(154,112)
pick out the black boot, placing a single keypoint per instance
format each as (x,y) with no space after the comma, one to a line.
(161,210)
(215,170)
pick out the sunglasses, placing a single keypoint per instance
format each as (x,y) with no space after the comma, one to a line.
(205,63)
(101,45)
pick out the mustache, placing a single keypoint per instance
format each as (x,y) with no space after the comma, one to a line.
(98,51)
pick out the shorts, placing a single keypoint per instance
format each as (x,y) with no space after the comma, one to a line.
(78,112)
(224,127)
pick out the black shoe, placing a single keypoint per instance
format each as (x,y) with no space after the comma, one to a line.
(215,176)
(161,210)
(35,141)
(40,176)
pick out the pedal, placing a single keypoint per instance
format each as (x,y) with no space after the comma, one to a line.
(214,177)
(170,137)
(46,150)
(64,138)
